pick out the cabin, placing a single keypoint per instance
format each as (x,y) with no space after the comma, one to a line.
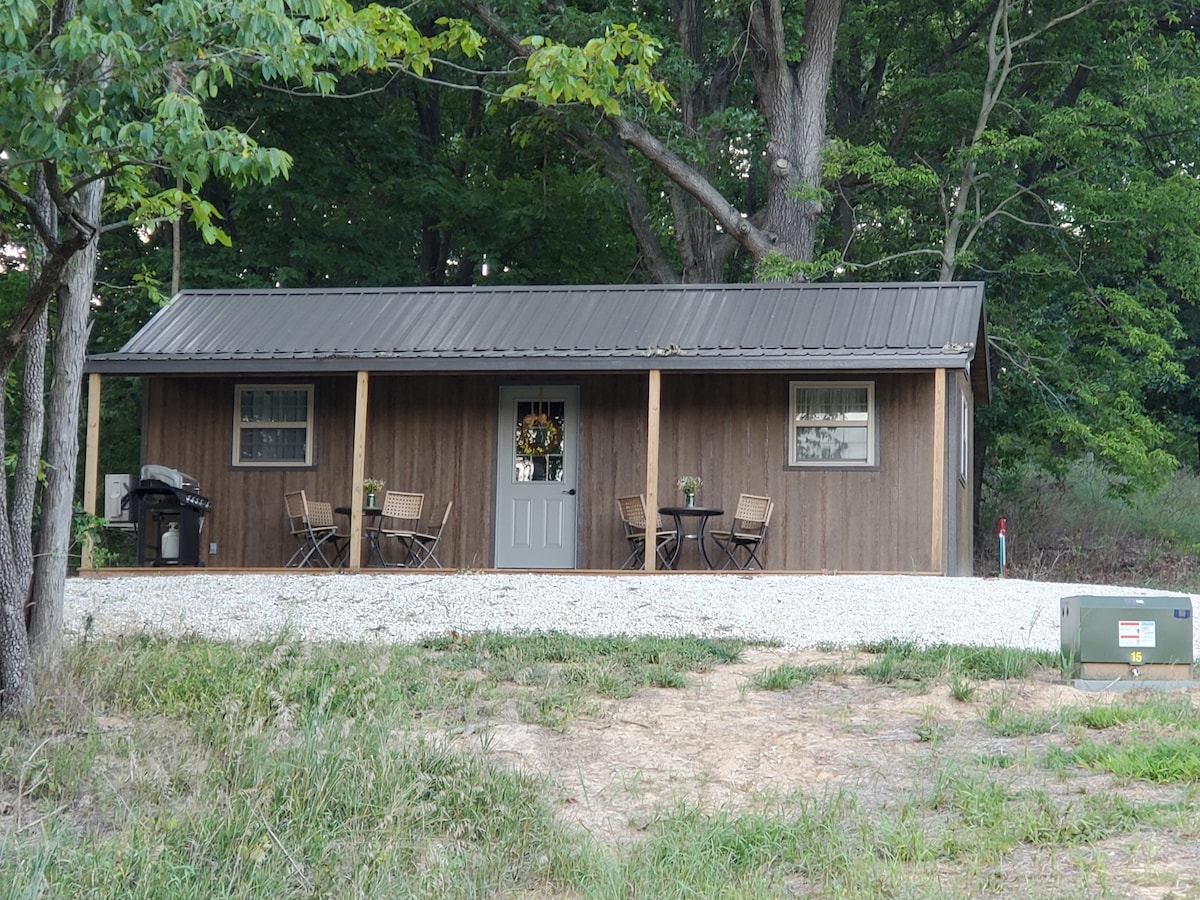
(849,405)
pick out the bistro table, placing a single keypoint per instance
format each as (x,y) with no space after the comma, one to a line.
(702,514)
(371,533)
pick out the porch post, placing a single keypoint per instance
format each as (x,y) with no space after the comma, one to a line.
(652,420)
(91,464)
(938,547)
(358,472)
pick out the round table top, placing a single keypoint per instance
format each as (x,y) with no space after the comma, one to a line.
(691,510)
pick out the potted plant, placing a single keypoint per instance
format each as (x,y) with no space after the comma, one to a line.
(372,486)
(689,484)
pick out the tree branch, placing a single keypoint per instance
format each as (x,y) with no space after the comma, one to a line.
(695,184)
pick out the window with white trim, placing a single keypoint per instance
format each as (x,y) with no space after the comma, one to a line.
(832,423)
(272,425)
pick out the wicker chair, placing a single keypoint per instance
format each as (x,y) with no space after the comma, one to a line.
(744,539)
(633,523)
(423,543)
(400,520)
(312,526)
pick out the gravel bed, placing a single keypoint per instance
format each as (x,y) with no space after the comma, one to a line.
(797,611)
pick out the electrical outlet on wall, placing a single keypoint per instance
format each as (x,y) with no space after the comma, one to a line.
(212,549)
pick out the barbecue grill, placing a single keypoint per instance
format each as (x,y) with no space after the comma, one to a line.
(169,512)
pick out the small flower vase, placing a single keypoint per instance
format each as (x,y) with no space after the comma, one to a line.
(370,500)
(690,498)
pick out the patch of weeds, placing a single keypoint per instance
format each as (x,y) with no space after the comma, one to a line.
(43,770)
(991,818)
(974,797)
(881,669)
(902,838)
(1037,820)
(553,675)
(780,678)
(996,760)
(893,646)
(961,689)
(1003,721)
(555,710)
(1174,710)
(1167,761)
(997,663)
(689,653)
(691,853)
(603,677)
(1066,666)
(665,677)
(931,733)
(897,661)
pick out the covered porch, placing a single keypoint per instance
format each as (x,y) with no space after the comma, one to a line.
(426,413)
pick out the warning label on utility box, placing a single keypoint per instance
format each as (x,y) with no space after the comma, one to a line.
(1135,634)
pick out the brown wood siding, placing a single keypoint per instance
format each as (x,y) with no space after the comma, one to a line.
(189,426)
(436,434)
(612,463)
(733,432)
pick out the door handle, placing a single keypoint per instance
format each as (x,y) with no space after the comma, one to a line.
(571,492)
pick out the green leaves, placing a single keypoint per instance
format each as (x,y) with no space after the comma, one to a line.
(120,89)
(600,74)
(16,18)
(873,161)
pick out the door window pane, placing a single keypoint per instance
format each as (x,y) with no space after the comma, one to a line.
(539,433)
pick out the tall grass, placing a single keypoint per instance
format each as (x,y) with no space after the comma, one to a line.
(187,768)
(897,661)
(1079,529)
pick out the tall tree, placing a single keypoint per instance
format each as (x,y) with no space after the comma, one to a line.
(402,182)
(95,93)
(984,139)
(1056,170)
(790,56)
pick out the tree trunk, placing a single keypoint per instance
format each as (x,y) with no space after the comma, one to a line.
(16,549)
(16,525)
(707,224)
(62,446)
(42,288)
(703,250)
(793,98)
(614,161)
(16,674)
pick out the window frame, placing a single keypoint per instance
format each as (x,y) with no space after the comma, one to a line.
(870,426)
(239,427)
(964,439)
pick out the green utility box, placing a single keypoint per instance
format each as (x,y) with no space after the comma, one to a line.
(1131,638)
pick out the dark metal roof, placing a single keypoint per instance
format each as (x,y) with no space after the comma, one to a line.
(734,327)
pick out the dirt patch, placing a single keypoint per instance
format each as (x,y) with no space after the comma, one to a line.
(722,744)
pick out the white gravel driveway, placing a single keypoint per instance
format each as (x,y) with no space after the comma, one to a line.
(797,611)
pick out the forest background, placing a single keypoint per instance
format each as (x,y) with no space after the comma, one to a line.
(1048,149)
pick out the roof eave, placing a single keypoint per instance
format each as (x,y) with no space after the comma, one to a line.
(118,364)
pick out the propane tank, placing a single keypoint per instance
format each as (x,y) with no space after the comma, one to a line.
(170,542)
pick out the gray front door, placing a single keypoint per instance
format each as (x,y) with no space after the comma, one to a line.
(536,477)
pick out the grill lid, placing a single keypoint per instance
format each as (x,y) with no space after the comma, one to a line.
(170,477)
